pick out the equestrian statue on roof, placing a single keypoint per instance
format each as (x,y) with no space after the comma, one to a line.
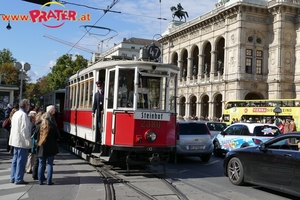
(178,12)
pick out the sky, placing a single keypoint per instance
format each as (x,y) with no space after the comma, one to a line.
(29,41)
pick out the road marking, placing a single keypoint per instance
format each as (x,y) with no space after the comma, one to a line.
(210,163)
(5,177)
(10,186)
(5,170)
(20,195)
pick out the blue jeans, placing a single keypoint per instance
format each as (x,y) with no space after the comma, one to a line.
(42,166)
(18,164)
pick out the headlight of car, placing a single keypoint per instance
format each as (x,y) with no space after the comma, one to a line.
(150,136)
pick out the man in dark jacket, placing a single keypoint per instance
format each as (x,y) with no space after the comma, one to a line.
(98,106)
(8,110)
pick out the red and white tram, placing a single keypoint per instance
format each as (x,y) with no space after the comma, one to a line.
(139,116)
(56,98)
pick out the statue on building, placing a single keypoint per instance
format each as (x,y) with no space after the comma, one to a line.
(195,71)
(184,73)
(220,67)
(179,7)
(206,69)
(178,12)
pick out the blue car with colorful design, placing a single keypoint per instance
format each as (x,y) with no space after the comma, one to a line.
(243,134)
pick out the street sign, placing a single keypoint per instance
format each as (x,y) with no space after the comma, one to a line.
(154,52)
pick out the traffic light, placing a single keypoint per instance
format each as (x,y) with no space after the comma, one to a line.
(41,2)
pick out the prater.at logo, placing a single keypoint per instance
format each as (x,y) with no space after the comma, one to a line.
(59,15)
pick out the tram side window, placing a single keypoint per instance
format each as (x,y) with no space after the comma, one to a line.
(126,88)
(111,86)
(73,97)
(81,93)
(90,93)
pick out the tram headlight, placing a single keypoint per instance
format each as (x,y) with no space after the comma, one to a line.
(150,136)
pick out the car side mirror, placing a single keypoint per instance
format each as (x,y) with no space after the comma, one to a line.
(262,147)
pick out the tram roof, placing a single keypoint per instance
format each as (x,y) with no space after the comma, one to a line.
(113,63)
(56,91)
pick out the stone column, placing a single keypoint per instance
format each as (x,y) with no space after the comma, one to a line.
(180,65)
(189,69)
(200,68)
(213,65)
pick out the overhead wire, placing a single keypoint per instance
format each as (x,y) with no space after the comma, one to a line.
(104,10)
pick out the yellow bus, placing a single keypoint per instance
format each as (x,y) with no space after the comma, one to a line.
(261,110)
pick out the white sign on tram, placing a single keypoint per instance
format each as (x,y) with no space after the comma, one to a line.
(152,116)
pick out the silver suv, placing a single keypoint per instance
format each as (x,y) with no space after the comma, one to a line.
(243,134)
(215,127)
(193,138)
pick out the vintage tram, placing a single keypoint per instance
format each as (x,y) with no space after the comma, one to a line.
(57,99)
(138,120)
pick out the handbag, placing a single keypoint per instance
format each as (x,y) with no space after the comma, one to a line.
(28,143)
(6,123)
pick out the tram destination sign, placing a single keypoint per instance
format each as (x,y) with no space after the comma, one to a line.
(152,116)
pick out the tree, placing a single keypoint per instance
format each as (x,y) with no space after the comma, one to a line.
(65,67)
(9,73)
(6,57)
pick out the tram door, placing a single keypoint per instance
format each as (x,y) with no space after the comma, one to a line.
(119,103)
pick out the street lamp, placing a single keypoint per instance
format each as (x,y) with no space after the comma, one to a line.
(23,68)
(277,110)
(8,27)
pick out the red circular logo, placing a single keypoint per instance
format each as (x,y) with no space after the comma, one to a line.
(246,110)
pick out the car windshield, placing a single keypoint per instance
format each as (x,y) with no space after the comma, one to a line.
(266,131)
(216,126)
(193,129)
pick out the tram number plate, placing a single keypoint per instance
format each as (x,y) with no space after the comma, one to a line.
(197,147)
(150,124)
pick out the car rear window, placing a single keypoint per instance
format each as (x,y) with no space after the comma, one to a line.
(266,131)
(193,129)
(216,126)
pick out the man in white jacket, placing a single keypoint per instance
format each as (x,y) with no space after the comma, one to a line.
(20,139)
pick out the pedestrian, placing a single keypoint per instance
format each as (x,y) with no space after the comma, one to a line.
(47,147)
(31,153)
(8,110)
(8,128)
(287,126)
(293,125)
(20,139)
(36,132)
(51,110)
(98,107)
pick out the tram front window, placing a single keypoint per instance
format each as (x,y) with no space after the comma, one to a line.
(151,93)
(147,92)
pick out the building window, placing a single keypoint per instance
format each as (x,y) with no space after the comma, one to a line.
(124,54)
(132,47)
(259,60)
(248,61)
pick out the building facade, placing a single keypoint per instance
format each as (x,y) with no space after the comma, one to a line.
(128,48)
(243,49)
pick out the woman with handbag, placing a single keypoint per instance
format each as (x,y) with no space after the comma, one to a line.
(7,125)
(47,147)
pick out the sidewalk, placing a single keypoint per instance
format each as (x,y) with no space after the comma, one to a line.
(73,179)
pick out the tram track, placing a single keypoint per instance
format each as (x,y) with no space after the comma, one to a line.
(112,176)
(138,183)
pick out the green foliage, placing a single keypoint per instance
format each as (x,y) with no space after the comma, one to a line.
(6,57)
(65,67)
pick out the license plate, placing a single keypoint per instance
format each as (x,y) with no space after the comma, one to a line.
(198,147)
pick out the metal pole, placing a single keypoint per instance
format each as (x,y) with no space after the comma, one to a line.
(21,85)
